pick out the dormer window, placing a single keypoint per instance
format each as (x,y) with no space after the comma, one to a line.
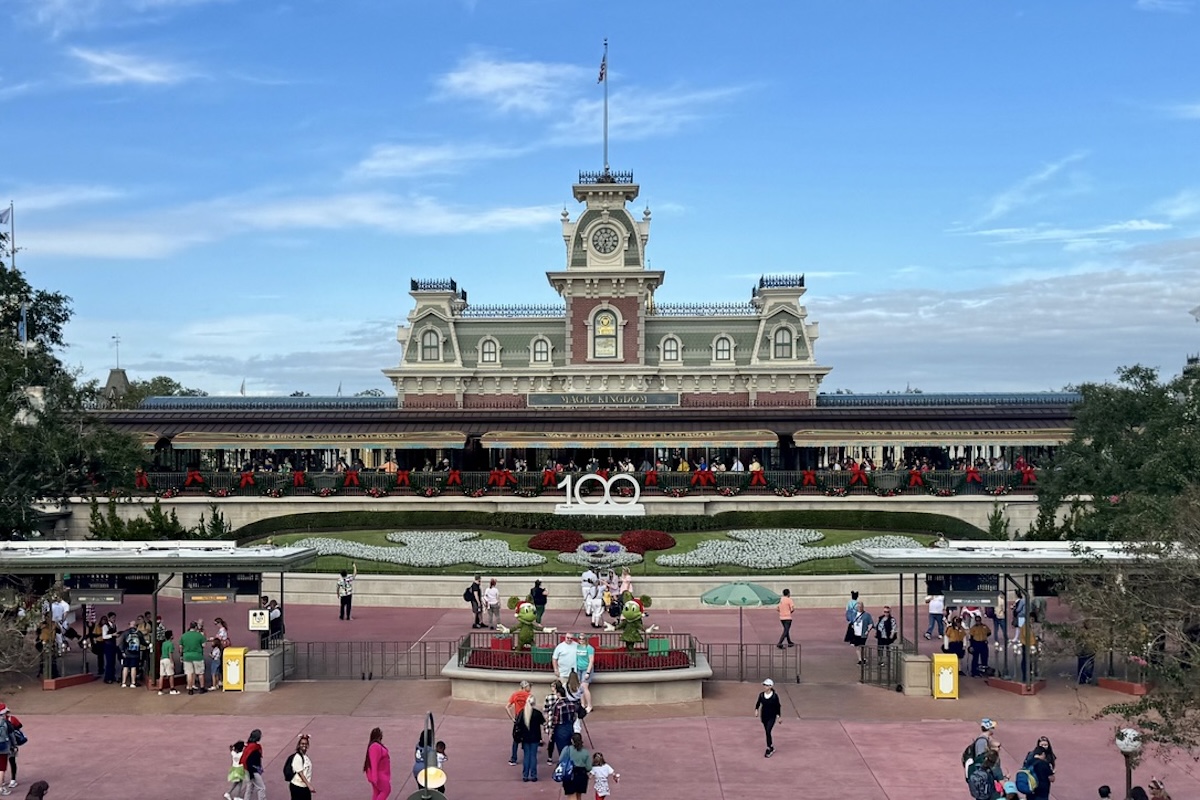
(783,343)
(541,351)
(489,352)
(431,346)
(670,349)
(723,349)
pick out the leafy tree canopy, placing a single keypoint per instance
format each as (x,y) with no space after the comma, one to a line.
(369,393)
(158,386)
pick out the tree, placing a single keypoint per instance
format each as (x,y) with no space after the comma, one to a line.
(158,386)
(370,393)
(1134,449)
(53,447)
(299,393)
(1148,614)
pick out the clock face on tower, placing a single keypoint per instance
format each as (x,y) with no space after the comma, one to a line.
(605,241)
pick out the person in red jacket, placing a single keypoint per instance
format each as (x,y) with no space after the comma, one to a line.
(252,760)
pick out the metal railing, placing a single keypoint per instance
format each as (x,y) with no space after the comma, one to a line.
(309,661)
(884,666)
(731,661)
(659,652)
(783,483)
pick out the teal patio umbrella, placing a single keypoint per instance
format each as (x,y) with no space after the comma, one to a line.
(740,594)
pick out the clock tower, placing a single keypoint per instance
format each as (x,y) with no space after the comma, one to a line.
(605,284)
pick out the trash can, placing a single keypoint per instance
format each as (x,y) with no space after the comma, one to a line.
(233,669)
(945,676)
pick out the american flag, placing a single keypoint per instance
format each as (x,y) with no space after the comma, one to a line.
(603,69)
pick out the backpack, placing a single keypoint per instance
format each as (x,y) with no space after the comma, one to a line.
(968,756)
(133,642)
(564,767)
(1025,780)
(5,732)
(980,784)
(289,771)
(468,594)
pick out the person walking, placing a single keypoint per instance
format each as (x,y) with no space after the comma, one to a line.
(886,629)
(191,649)
(560,714)
(860,628)
(579,760)
(601,772)
(236,777)
(345,592)
(300,786)
(527,727)
(377,766)
(769,711)
(491,601)
(537,596)
(786,608)
(516,705)
(474,596)
(937,614)
(252,761)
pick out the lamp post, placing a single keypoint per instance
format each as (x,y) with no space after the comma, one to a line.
(1129,742)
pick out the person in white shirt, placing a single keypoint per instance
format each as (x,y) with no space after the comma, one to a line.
(345,592)
(300,786)
(737,465)
(491,601)
(937,614)
(588,583)
(565,655)
(601,772)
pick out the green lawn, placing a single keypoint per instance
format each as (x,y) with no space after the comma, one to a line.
(517,541)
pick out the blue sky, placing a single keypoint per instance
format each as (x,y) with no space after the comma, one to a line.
(984,196)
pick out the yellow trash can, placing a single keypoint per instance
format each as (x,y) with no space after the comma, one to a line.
(233,669)
(945,676)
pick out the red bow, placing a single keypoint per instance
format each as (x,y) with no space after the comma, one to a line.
(298,477)
(758,478)
(454,478)
(351,478)
(857,475)
(193,476)
(703,477)
(603,473)
(402,477)
(810,478)
(549,478)
(973,476)
(140,480)
(652,477)
(1028,476)
(496,478)
(247,479)
(914,478)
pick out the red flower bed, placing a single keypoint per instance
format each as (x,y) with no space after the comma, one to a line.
(641,541)
(606,661)
(558,541)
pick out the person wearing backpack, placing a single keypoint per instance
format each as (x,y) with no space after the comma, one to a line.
(474,596)
(979,746)
(1033,780)
(297,771)
(11,738)
(132,645)
(985,776)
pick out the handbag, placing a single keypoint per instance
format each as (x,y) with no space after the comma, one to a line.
(19,738)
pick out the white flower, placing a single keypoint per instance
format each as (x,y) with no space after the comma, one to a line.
(773,548)
(619,557)
(428,549)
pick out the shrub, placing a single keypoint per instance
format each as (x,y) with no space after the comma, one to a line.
(642,540)
(559,541)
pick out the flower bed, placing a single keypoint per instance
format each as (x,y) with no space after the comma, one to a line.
(560,541)
(600,553)
(640,541)
(428,549)
(773,549)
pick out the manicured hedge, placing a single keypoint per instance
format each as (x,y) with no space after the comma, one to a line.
(639,541)
(850,519)
(560,541)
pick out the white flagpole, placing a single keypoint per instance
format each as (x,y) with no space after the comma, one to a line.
(12,233)
(604,67)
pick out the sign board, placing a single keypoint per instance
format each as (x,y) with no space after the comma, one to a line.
(601,399)
(208,596)
(99,597)
(140,583)
(238,582)
(260,619)
(964,583)
(971,599)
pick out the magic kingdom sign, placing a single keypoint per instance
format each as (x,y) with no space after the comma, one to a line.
(595,399)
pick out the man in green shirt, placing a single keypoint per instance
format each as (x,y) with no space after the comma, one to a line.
(191,648)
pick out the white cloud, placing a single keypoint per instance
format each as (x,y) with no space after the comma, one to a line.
(1026,191)
(1100,236)
(47,198)
(536,87)
(9,91)
(408,160)
(636,114)
(61,17)
(110,67)
(1173,6)
(1185,110)
(1182,206)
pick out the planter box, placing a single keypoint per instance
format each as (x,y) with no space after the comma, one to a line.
(1124,687)
(1016,687)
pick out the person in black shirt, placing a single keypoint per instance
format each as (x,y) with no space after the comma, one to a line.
(474,596)
(769,711)
(538,596)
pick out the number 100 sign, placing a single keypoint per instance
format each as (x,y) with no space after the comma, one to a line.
(607,503)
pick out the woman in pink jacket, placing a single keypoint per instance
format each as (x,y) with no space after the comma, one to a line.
(378,766)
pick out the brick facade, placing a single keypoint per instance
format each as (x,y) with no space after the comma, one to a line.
(783,399)
(493,401)
(430,401)
(582,309)
(715,399)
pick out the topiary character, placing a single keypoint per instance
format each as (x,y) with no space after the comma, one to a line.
(631,624)
(527,625)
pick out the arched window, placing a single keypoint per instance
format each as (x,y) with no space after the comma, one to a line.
(541,351)
(431,345)
(670,349)
(723,349)
(783,343)
(604,334)
(488,352)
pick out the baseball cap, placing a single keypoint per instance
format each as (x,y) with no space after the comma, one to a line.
(768,682)
(1010,788)
(987,724)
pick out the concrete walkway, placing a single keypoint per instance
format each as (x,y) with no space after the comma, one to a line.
(838,738)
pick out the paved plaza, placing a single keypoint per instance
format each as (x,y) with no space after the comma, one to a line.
(837,739)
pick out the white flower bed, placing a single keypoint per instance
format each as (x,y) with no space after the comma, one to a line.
(773,548)
(428,549)
(612,554)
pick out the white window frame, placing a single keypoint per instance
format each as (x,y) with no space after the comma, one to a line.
(425,334)
(791,343)
(533,352)
(484,343)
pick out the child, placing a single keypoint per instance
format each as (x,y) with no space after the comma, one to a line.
(237,773)
(600,773)
(166,665)
(215,666)
(440,747)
